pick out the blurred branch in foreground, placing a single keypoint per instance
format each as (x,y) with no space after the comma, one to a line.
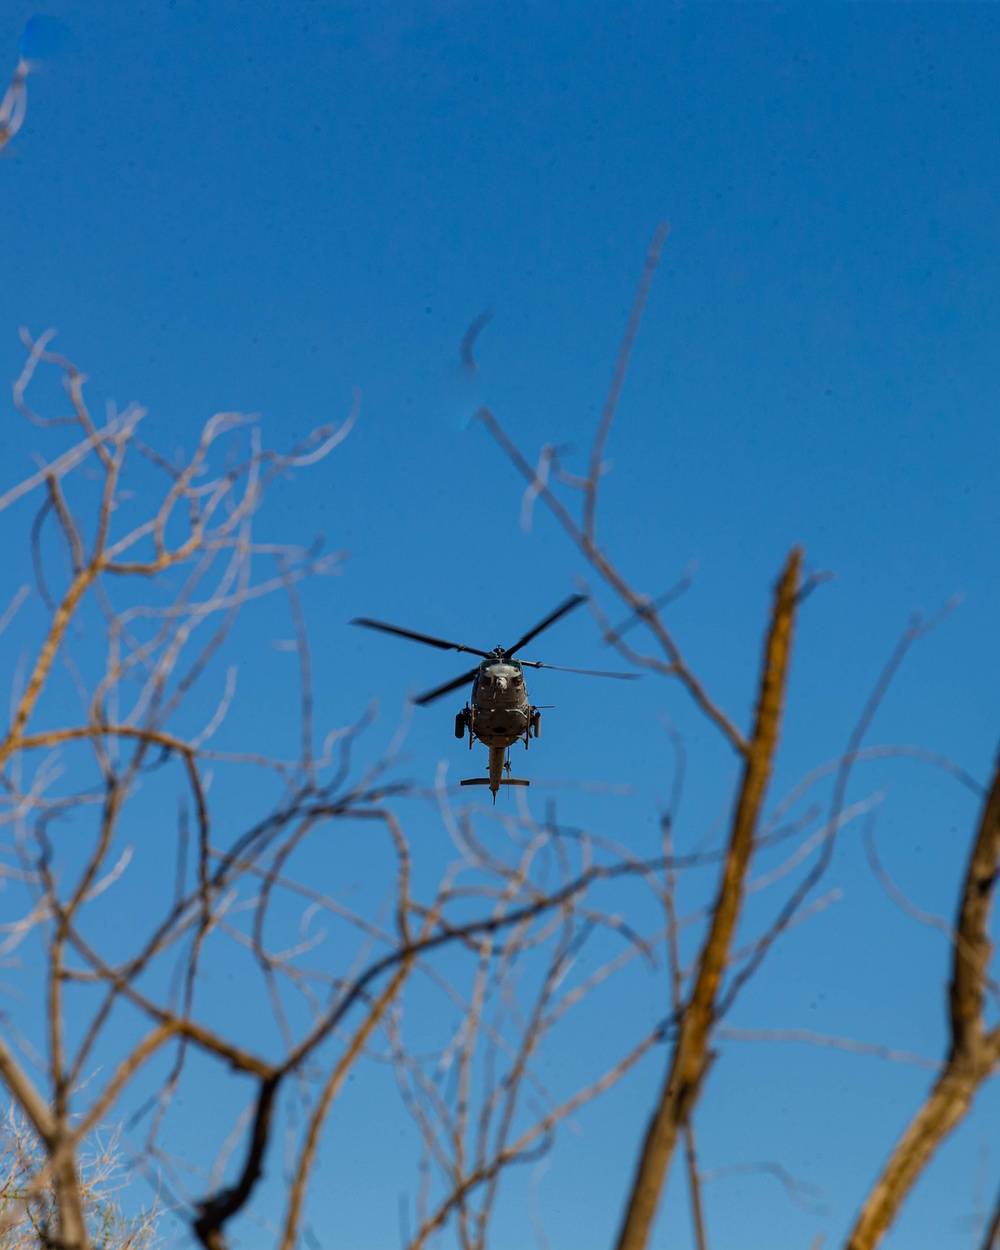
(43,37)
(14,104)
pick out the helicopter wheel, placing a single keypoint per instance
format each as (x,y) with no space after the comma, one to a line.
(460,725)
(536,724)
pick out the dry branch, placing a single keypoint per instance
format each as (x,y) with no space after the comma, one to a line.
(228,890)
(974,1051)
(690,1056)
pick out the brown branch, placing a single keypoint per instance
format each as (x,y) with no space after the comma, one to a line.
(52,1131)
(46,656)
(25,1093)
(129,1066)
(636,602)
(239,1059)
(690,1055)
(973,1053)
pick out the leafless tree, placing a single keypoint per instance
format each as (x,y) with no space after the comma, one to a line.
(135,873)
(702,993)
(132,888)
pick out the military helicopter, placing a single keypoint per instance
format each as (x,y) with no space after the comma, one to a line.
(498,712)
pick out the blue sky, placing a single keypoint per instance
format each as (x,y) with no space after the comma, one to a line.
(239,206)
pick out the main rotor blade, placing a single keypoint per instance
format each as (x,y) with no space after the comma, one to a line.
(572,602)
(440,643)
(423,699)
(584,672)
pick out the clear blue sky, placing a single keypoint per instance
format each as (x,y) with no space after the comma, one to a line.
(240,206)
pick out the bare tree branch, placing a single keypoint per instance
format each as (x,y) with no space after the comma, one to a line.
(690,1055)
(617,382)
(974,1052)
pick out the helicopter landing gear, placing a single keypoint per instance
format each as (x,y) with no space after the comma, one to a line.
(460,719)
(536,723)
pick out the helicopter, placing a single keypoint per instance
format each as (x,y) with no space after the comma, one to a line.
(498,712)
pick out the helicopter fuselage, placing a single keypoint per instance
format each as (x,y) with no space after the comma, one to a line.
(499,713)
